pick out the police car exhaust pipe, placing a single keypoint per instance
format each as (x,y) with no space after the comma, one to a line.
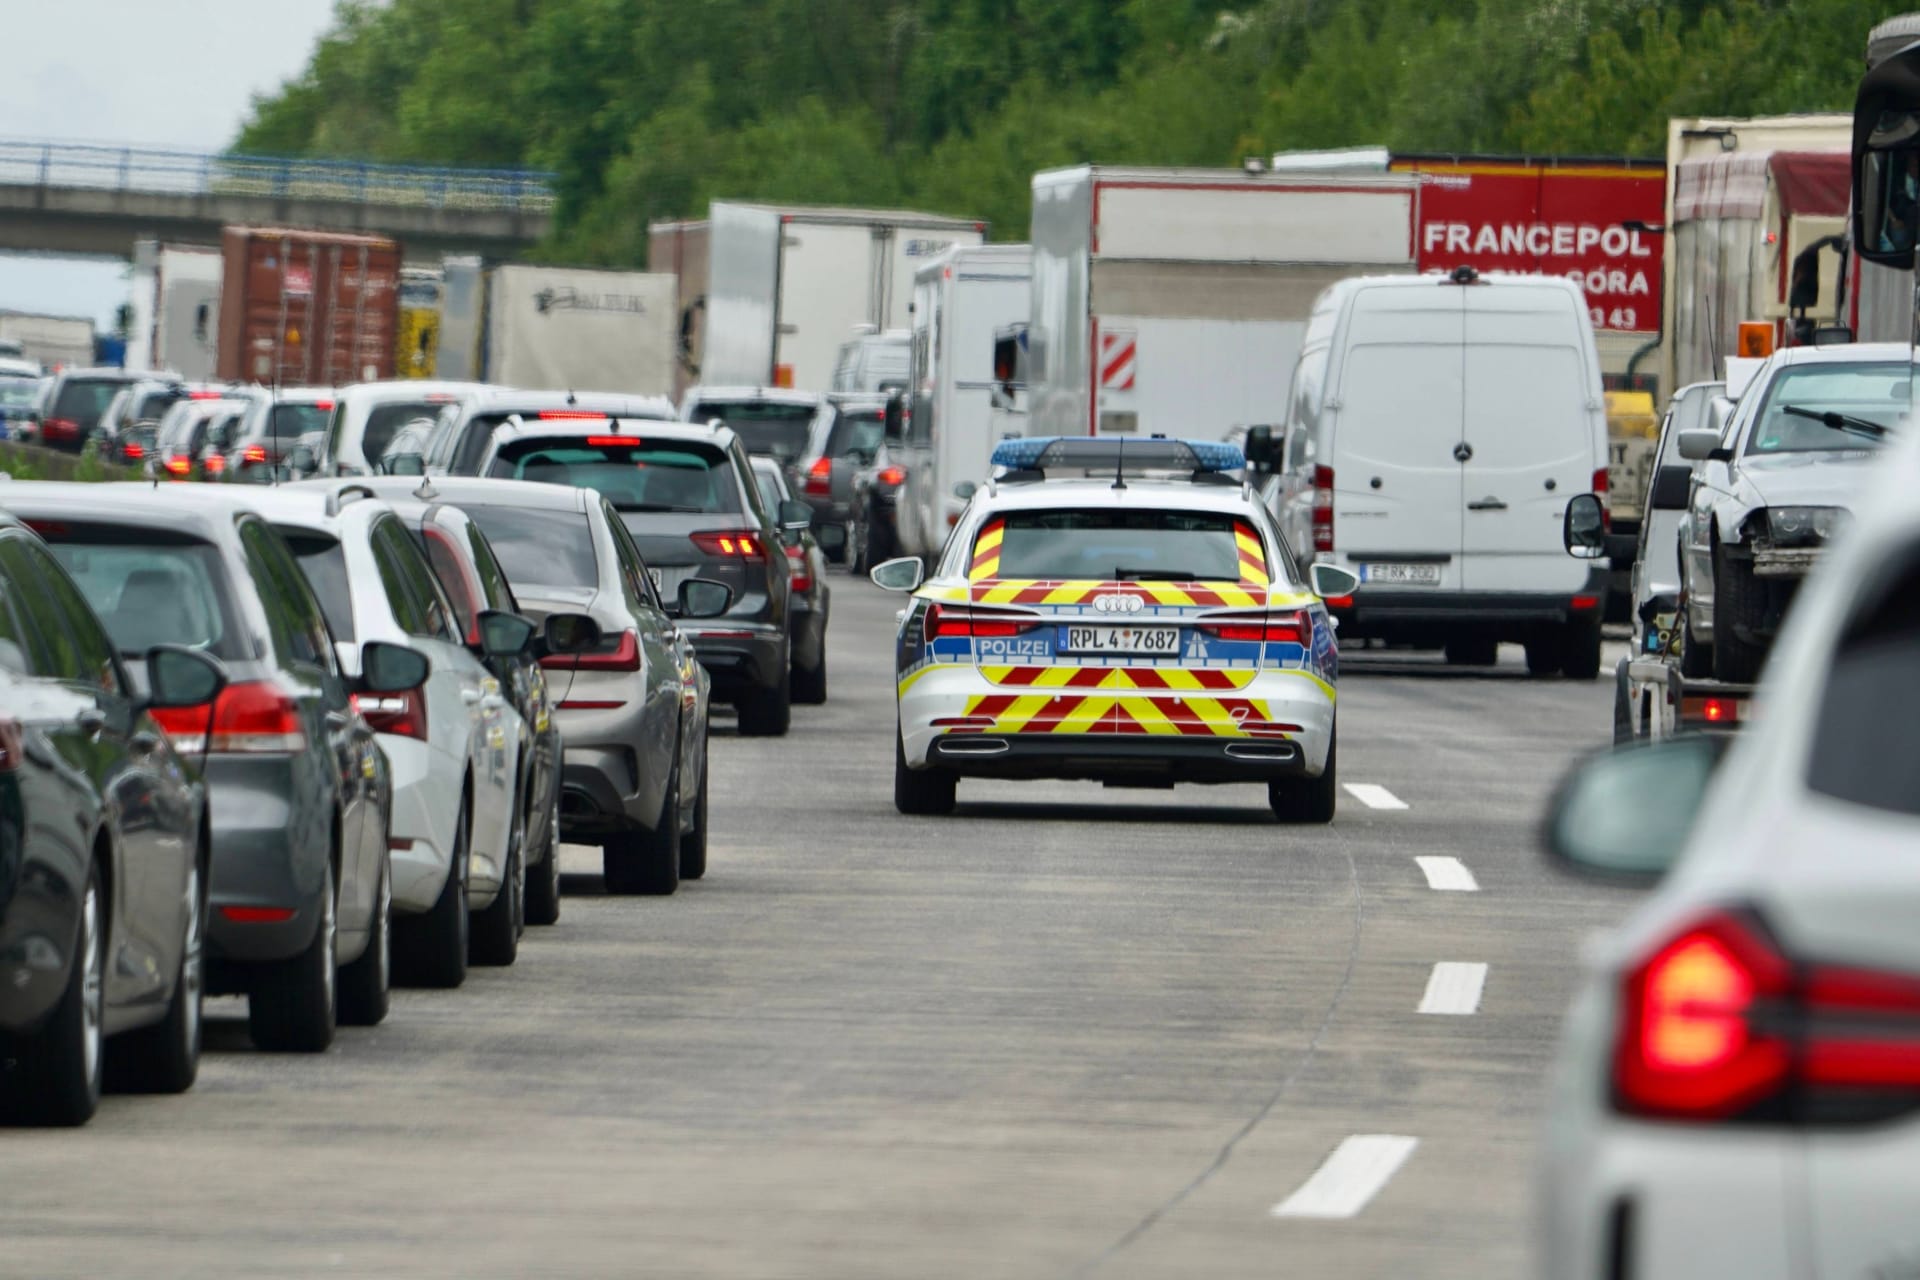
(973,747)
(1260,750)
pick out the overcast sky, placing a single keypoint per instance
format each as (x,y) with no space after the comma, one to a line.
(171,73)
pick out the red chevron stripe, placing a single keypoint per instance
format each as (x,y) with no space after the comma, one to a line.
(1146,678)
(1210,679)
(1052,714)
(993,705)
(1087,678)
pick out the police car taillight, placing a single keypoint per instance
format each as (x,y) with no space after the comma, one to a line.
(1258,628)
(947,621)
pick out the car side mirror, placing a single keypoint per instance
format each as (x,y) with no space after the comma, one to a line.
(1698,445)
(391,668)
(965,489)
(903,574)
(1624,816)
(569,633)
(1258,447)
(1332,582)
(1583,527)
(795,516)
(505,635)
(1672,486)
(181,677)
(703,598)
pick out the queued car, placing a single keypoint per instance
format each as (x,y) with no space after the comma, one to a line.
(807,590)
(686,494)
(273,427)
(873,533)
(777,422)
(103,853)
(458,445)
(299,890)
(367,415)
(629,693)
(854,431)
(1800,447)
(186,444)
(75,404)
(452,744)
(1737,1087)
(20,406)
(1136,631)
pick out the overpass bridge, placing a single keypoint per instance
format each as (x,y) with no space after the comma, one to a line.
(93,199)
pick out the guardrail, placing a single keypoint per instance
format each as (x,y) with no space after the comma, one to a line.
(153,170)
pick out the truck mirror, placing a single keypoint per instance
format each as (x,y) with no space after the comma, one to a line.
(1259,447)
(1886,191)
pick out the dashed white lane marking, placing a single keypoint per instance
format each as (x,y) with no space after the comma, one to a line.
(1347,1179)
(1454,986)
(1374,797)
(1448,873)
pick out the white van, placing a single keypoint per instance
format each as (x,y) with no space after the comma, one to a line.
(1447,420)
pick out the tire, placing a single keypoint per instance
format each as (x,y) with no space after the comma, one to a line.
(60,1070)
(1581,651)
(767,713)
(1736,603)
(1546,654)
(431,949)
(493,937)
(693,844)
(292,1007)
(1472,651)
(543,878)
(1696,658)
(366,985)
(647,862)
(1308,801)
(921,792)
(1624,730)
(165,1057)
(810,686)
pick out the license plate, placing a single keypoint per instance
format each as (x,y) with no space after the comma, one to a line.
(1402,575)
(1154,641)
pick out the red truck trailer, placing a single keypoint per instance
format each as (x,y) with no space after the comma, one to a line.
(307,308)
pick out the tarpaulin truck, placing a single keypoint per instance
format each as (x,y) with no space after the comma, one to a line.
(55,341)
(1175,300)
(786,285)
(558,328)
(306,308)
(174,320)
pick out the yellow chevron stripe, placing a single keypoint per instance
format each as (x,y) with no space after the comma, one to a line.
(1168,595)
(1250,544)
(1085,716)
(1068,594)
(990,539)
(944,595)
(984,569)
(1001,594)
(1178,678)
(1146,712)
(1238,598)
(1216,717)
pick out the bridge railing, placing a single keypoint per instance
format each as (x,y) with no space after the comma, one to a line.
(101,166)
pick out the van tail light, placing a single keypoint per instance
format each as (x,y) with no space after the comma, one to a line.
(1261,628)
(737,544)
(1600,488)
(252,718)
(819,477)
(802,577)
(947,621)
(892,477)
(1323,508)
(620,653)
(1721,1024)
(254,453)
(401,714)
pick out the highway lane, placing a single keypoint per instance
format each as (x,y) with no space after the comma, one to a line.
(1065,1031)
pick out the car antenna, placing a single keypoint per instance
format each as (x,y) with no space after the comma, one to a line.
(1120,463)
(571,399)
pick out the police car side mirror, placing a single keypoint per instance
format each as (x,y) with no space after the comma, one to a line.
(1330,581)
(903,574)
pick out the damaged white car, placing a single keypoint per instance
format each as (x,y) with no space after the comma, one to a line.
(1776,485)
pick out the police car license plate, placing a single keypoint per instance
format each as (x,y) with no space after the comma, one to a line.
(1158,641)
(1401,575)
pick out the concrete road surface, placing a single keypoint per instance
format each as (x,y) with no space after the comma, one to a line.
(1066,1031)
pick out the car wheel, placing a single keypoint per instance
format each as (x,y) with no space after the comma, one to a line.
(924,792)
(693,844)
(1546,654)
(810,684)
(1696,657)
(494,939)
(1624,730)
(1308,801)
(647,862)
(1737,603)
(767,713)
(1472,651)
(59,1071)
(291,1006)
(366,985)
(1580,651)
(432,948)
(165,1057)
(543,878)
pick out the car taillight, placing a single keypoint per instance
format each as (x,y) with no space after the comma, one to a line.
(945,621)
(619,654)
(740,544)
(802,578)
(819,477)
(178,466)
(1323,508)
(1720,1024)
(1268,628)
(401,714)
(574,415)
(59,427)
(245,718)
(132,451)
(216,463)
(254,453)
(893,477)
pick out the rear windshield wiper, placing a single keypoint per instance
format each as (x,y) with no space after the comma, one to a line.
(1167,575)
(1840,421)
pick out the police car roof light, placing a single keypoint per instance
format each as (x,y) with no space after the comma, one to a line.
(1109,455)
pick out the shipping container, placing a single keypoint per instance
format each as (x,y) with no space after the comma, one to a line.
(175,309)
(307,308)
(1176,300)
(679,249)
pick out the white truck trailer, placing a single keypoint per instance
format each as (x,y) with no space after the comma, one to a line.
(558,328)
(55,341)
(175,309)
(1175,300)
(786,285)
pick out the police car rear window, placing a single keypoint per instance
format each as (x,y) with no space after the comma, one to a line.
(1109,545)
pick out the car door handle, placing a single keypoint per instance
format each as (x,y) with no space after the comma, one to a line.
(1487,504)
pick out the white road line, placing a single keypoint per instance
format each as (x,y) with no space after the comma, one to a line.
(1347,1179)
(1454,986)
(1374,797)
(1448,873)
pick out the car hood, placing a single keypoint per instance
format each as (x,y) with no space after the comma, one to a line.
(1813,478)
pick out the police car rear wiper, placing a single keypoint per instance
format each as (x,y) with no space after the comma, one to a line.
(1839,421)
(1168,575)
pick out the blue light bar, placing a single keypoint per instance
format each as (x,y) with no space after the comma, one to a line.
(1112,453)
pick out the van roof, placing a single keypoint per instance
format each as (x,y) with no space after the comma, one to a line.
(1437,280)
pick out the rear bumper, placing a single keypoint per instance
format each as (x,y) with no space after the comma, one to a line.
(1411,612)
(1141,761)
(259,862)
(741,659)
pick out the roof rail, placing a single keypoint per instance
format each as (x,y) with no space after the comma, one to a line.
(351,492)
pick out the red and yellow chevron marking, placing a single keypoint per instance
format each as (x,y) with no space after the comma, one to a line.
(1178,679)
(1102,714)
(986,552)
(1042,591)
(1253,558)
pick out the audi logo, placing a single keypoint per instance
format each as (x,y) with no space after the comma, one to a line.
(1118,604)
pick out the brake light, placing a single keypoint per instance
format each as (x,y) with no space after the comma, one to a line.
(802,578)
(1268,628)
(892,476)
(571,415)
(741,544)
(1600,487)
(623,656)
(205,395)
(1585,604)
(324,406)
(1323,508)
(819,477)
(216,463)
(133,451)
(257,915)
(178,466)
(246,718)
(59,427)
(611,442)
(947,621)
(401,714)
(254,453)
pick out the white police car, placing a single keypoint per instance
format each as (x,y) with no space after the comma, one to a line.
(1120,611)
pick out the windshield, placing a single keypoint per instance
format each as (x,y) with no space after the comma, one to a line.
(778,430)
(539,548)
(148,594)
(385,420)
(291,421)
(1110,545)
(635,474)
(84,401)
(857,431)
(1874,392)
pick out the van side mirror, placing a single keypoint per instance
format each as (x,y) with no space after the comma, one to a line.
(1625,816)
(1583,527)
(1332,582)
(402,464)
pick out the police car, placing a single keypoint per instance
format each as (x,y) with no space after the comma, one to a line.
(1121,611)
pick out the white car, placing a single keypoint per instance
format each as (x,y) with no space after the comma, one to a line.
(1132,631)
(367,415)
(458,825)
(1738,1087)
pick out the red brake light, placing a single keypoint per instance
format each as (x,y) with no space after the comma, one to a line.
(892,476)
(254,453)
(178,466)
(819,477)
(1268,628)
(324,406)
(245,718)
(132,451)
(623,656)
(571,415)
(206,395)
(611,442)
(216,463)
(59,427)
(743,544)
(946,621)
(257,915)
(1585,604)
(1323,508)
(401,714)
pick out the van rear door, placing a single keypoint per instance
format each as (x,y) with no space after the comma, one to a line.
(1536,428)
(1396,414)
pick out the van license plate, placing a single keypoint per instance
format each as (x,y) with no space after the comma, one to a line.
(1402,575)
(1157,641)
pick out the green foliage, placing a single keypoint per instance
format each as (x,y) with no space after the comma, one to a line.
(647,109)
